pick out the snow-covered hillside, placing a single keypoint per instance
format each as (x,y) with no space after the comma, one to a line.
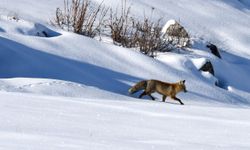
(68,91)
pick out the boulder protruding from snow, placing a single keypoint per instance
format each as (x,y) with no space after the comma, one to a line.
(207,67)
(214,50)
(176,34)
(203,64)
(42,31)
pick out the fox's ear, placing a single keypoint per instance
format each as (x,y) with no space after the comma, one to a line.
(182,82)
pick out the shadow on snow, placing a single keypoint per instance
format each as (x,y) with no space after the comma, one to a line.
(19,60)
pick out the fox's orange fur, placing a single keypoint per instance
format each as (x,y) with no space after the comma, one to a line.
(164,88)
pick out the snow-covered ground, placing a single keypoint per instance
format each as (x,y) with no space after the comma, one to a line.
(39,123)
(68,91)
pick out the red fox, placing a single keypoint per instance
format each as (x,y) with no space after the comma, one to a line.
(164,88)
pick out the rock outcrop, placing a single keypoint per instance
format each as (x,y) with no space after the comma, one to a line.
(176,34)
(214,50)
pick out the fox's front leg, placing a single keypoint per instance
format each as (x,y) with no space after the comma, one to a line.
(164,98)
(177,99)
(146,93)
(151,97)
(142,94)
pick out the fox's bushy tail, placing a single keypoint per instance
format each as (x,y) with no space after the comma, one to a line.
(138,86)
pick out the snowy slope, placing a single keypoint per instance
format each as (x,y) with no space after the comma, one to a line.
(96,64)
(68,91)
(223,22)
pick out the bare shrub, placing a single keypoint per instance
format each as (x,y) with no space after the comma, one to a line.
(148,37)
(80,16)
(119,24)
(130,32)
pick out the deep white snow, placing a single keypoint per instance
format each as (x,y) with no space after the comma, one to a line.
(68,91)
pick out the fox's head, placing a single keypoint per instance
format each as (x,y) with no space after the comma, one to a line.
(182,85)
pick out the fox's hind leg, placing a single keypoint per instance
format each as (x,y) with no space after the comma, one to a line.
(164,98)
(148,90)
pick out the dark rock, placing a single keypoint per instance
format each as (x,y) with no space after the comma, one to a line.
(207,67)
(45,33)
(214,50)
